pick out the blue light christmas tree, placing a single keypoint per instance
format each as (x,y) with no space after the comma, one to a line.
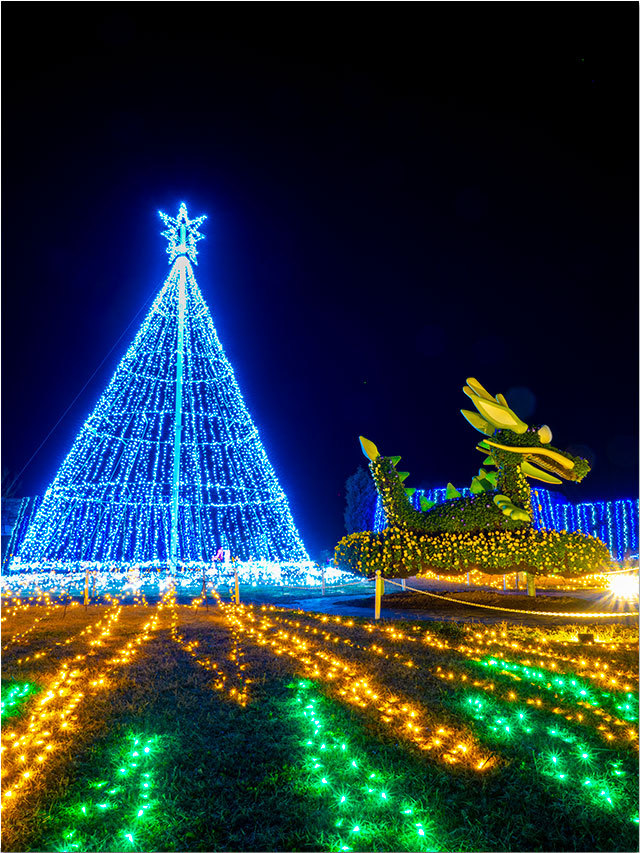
(169,466)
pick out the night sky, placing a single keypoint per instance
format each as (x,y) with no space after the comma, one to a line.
(399,195)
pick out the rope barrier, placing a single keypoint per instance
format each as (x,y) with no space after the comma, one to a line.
(329,585)
(512,609)
(617,572)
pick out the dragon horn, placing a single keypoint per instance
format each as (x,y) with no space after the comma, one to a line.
(501,416)
(477,389)
(494,409)
(477,422)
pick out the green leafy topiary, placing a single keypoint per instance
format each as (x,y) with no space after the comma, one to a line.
(492,530)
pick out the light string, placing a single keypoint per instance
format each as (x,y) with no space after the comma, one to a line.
(613,522)
(27,752)
(238,686)
(553,660)
(88,629)
(18,638)
(16,605)
(355,788)
(570,683)
(15,696)
(584,714)
(416,724)
(129,790)
(111,500)
(586,717)
(567,760)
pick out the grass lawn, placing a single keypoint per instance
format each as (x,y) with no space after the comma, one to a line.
(258,728)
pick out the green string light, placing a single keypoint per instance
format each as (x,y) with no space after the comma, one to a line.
(14,696)
(366,808)
(132,781)
(567,685)
(565,762)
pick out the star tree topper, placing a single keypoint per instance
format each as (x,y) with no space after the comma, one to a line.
(182,234)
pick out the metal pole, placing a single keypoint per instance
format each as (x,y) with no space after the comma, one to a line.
(181,263)
(468,581)
(378,593)
(404,585)
(323,580)
(235,571)
(504,582)
(86,588)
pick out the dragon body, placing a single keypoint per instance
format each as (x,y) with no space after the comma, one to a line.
(492,530)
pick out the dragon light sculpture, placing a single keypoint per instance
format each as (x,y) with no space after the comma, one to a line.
(492,530)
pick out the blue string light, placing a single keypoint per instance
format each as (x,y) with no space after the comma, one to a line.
(170,452)
(613,522)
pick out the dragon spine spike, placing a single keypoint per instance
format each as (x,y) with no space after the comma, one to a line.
(368,448)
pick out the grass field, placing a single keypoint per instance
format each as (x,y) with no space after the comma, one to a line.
(259,728)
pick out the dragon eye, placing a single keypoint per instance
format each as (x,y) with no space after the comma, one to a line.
(544,434)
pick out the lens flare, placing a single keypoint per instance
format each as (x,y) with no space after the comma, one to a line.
(624,586)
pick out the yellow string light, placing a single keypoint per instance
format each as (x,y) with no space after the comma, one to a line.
(416,724)
(53,718)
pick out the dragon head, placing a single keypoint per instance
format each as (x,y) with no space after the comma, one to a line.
(510,439)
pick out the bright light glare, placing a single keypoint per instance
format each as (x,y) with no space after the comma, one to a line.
(624,586)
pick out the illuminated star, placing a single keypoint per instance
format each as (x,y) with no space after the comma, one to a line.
(182,234)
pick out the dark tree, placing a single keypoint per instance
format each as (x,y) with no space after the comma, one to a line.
(361,498)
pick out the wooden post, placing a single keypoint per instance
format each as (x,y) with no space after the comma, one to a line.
(235,572)
(379,583)
(323,580)
(531,584)
(204,589)
(86,588)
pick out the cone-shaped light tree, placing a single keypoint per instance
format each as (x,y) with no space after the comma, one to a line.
(169,466)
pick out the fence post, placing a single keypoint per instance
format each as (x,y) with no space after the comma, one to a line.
(531,584)
(378,593)
(235,572)
(204,589)
(323,580)
(86,588)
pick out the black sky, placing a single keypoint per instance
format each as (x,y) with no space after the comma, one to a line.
(399,195)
